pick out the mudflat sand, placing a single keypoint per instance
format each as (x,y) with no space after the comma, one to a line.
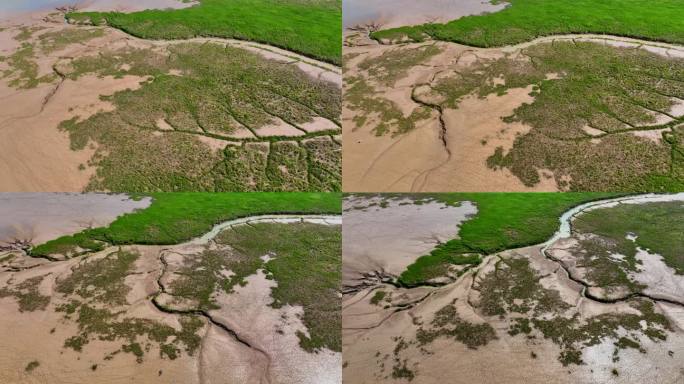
(243,340)
(35,155)
(40,217)
(391,234)
(397,13)
(382,342)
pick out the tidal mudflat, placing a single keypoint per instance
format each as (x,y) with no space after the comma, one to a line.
(392,13)
(517,114)
(85,111)
(598,301)
(252,299)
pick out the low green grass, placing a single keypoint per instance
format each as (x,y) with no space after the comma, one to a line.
(93,293)
(658,227)
(503,221)
(309,27)
(512,291)
(307,267)
(27,294)
(525,20)
(176,217)
(220,90)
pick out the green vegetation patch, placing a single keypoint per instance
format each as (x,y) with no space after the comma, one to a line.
(603,269)
(307,267)
(93,287)
(512,290)
(54,41)
(205,91)
(32,366)
(23,70)
(305,264)
(176,217)
(448,323)
(309,27)
(612,91)
(525,20)
(360,96)
(503,221)
(378,297)
(513,287)
(658,228)
(27,294)
(394,64)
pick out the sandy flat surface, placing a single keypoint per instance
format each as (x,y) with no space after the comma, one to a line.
(36,156)
(40,217)
(436,158)
(387,240)
(372,332)
(248,341)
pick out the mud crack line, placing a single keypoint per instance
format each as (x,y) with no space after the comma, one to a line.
(266,375)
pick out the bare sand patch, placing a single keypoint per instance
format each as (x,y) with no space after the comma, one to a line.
(319,124)
(34,154)
(474,130)
(278,128)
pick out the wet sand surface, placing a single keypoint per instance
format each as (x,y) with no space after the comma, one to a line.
(396,13)
(243,340)
(40,217)
(380,340)
(390,234)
